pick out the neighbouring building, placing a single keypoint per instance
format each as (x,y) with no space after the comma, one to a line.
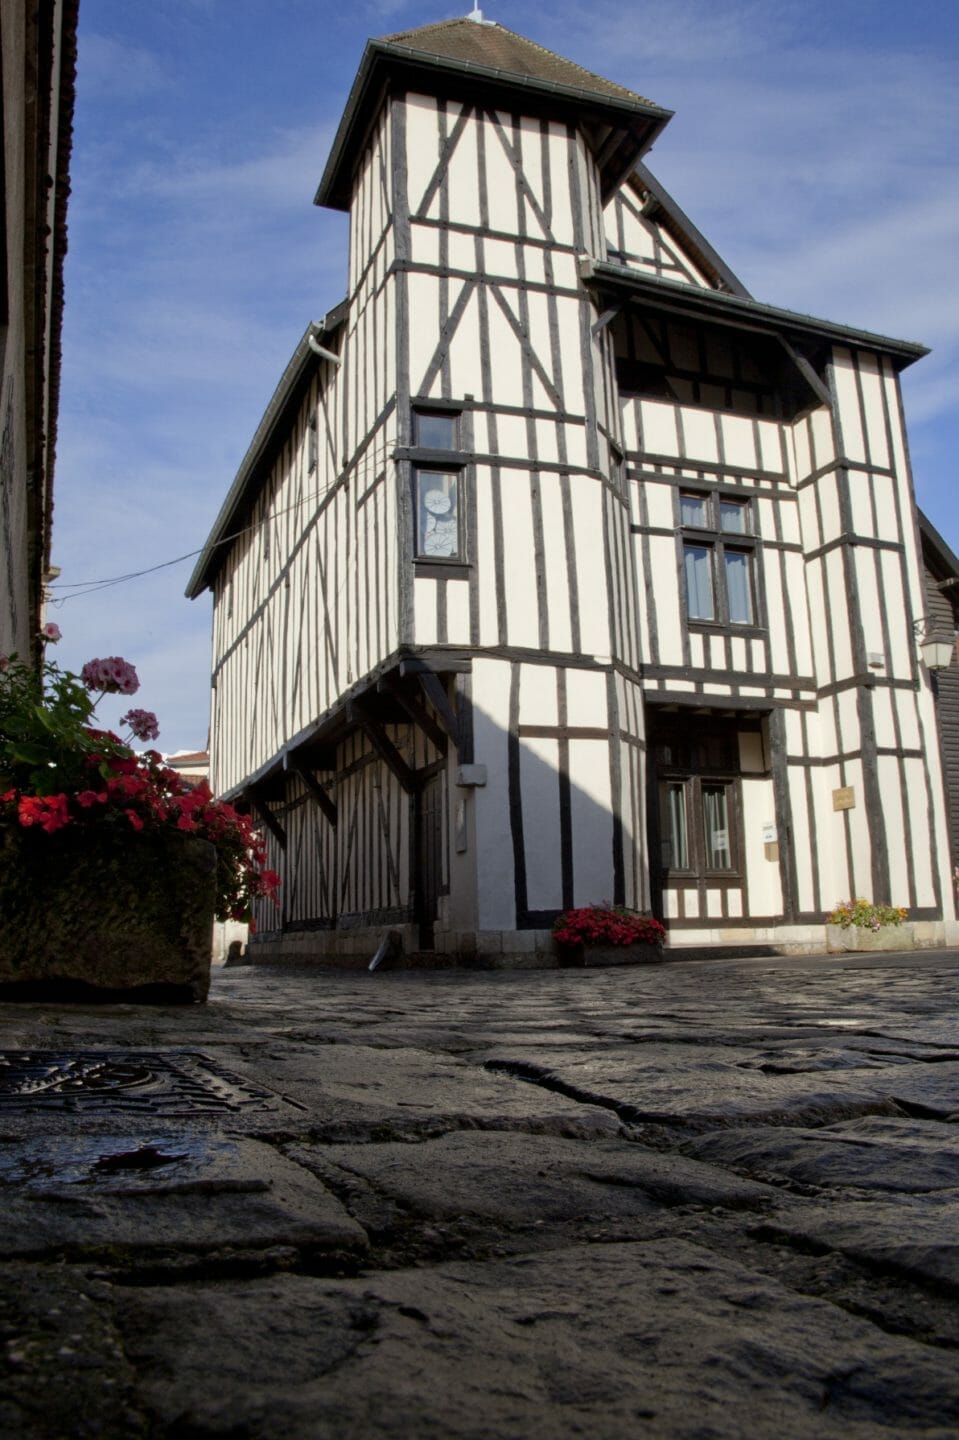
(37,77)
(942,621)
(193,767)
(560,569)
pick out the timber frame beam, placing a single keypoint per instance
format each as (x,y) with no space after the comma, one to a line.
(435,693)
(416,711)
(383,745)
(265,814)
(317,793)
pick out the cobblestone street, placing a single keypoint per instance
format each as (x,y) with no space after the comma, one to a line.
(692,1200)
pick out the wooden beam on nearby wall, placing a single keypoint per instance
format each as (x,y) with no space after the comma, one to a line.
(436,694)
(269,820)
(384,746)
(806,371)
(317,792)
(417,712)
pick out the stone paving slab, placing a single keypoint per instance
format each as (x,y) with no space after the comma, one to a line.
(912,1236)
(658,1339)
(689,1200)
(533,1178)
(874,1153)
(359,1085)
(696,1085)
(165,1190)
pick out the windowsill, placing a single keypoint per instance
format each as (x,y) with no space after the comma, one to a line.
(432,569)
(720,627)
(690,878)
(433,459)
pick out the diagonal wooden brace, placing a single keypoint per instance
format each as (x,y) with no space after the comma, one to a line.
(436,695)
(316,790)
(268,818)
(384,746)
(416,711)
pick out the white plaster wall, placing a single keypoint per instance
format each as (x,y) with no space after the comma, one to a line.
(591,812)
(494,845)
(539,787)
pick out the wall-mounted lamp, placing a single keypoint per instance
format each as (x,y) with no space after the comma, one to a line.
(935,646)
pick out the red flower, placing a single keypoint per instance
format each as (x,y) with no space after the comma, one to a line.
(607,925)
(50,812)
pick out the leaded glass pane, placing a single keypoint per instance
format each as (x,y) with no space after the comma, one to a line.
(676,843)
(698,565)
(733,515)
(437,515)
(738,587)
(716,826)
(436,432)
(692,511)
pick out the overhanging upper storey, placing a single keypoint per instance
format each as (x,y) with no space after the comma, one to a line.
(478,60)
(619,286)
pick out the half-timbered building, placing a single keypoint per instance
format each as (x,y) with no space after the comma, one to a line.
(37,91)
(560,569)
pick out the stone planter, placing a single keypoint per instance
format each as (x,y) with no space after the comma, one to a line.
(851,939)
(99,911)
(588,956)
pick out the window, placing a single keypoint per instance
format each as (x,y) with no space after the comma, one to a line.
(718,558)
(436,429)
(311,444)
(697,769)
(696,826)
(438,530)
(438,485)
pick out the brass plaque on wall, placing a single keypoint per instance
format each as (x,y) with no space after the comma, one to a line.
(844,798)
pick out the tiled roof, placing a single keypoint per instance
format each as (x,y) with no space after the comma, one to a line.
(496,48)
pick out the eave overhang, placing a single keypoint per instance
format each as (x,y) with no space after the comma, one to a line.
(621,283)
(938,551)
(621,130)
(314,747)
(258,460)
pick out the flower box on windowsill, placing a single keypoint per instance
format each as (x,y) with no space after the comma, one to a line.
(842,939)
(104,911)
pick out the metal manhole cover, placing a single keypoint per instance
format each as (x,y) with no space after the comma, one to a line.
(128,1081)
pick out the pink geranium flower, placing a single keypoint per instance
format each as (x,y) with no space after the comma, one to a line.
(143,723)
(112,676)
(51,632)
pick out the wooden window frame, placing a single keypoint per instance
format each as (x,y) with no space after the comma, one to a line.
(718,542)
(451,461)
(698,869)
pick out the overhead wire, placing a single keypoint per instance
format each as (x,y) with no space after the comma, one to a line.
(80,588)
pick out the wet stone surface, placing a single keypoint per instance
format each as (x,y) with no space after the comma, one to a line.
(694,1200)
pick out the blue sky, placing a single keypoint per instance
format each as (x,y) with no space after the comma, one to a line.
(813,144)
